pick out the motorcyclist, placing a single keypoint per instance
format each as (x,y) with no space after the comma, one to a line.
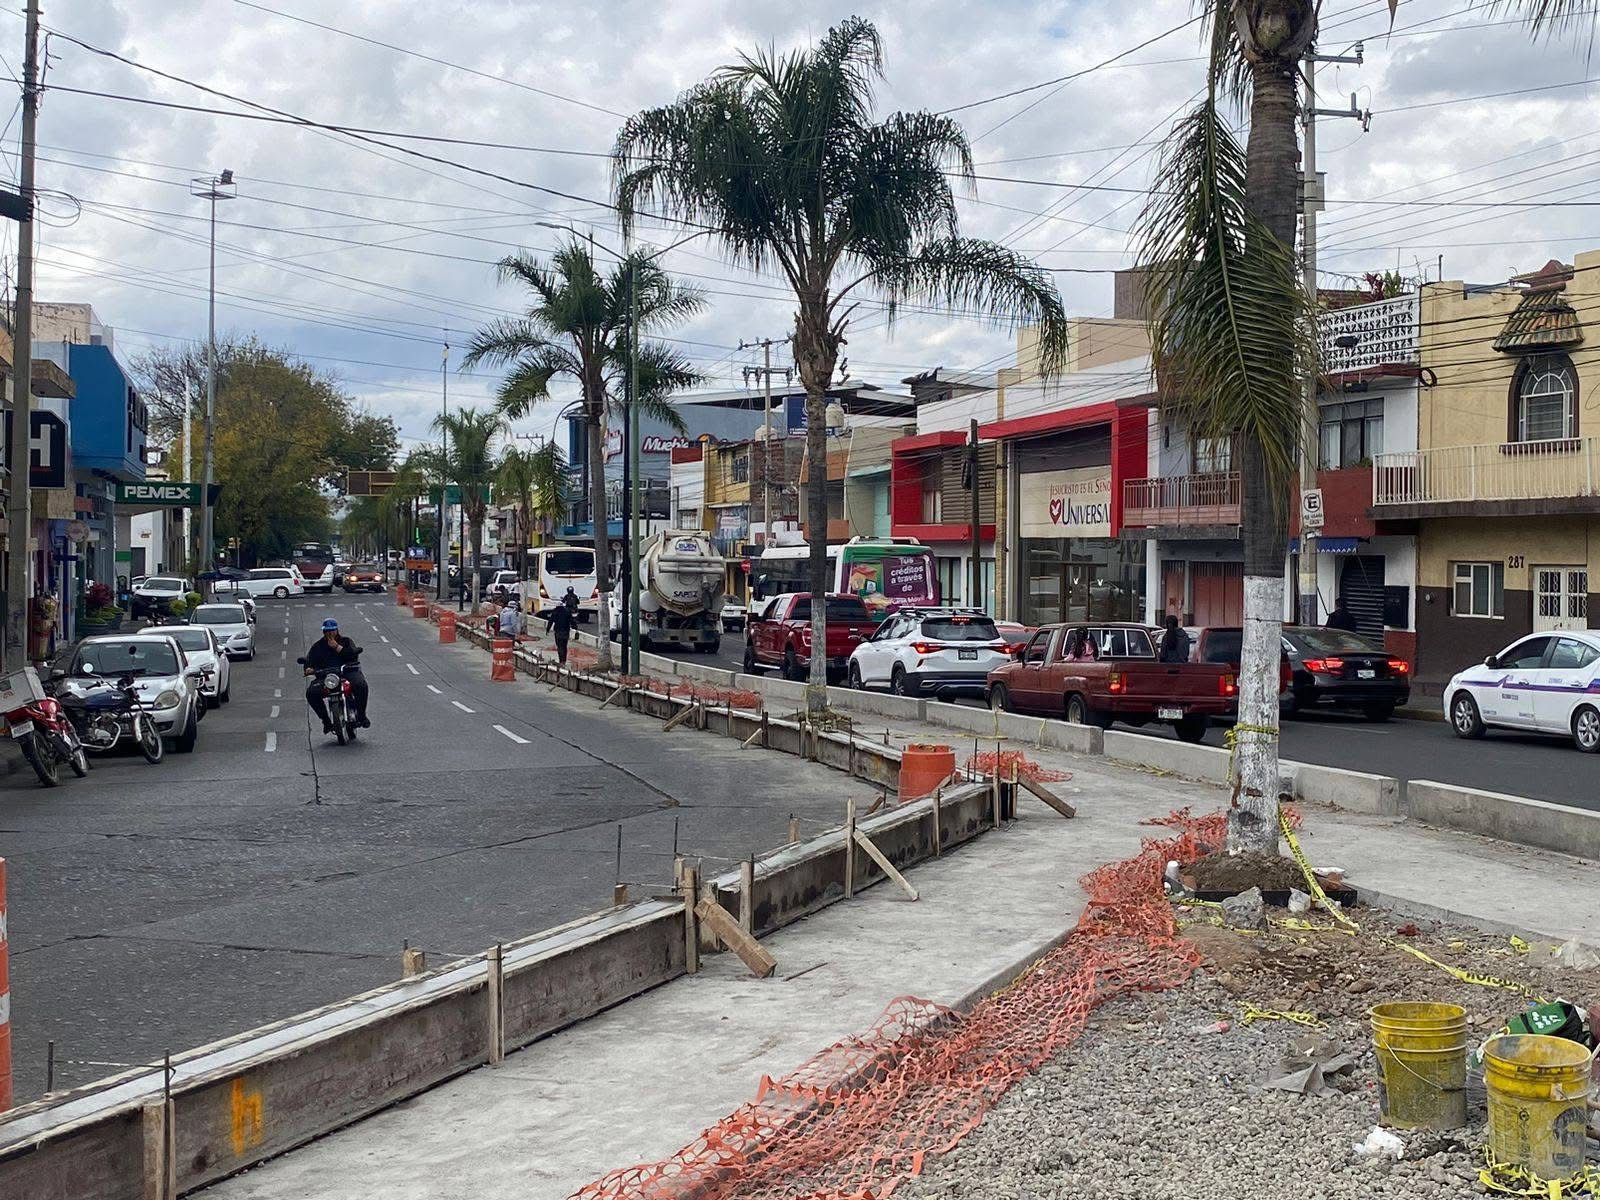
(331,652)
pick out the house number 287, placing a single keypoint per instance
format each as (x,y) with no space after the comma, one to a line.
(1516,560)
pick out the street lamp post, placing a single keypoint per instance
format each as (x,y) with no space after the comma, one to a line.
(212,188)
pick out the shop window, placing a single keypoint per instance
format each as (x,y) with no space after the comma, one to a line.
(1544,399)
(1351,434)
(1480,589)
(1213,456)
(932,500)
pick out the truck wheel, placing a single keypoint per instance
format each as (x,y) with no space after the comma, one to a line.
(714,645)
(749,660)
(999,700)
(1079,713)
(1191,729)
(791,667)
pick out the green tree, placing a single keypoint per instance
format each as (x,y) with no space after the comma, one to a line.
(536,480)
(1233,330)
(469,462)
(781,158)
(581,325)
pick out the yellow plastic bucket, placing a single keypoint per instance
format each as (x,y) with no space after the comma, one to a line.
(1422,1064)
(1538,1102)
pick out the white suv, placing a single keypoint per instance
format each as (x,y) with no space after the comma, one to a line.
(281,582)
(938,650)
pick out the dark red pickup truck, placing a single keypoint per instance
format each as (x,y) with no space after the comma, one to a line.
(779,635)
(1124,682)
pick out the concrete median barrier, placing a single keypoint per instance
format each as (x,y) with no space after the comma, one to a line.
(1209,763)
(1509,818)
(1353,791)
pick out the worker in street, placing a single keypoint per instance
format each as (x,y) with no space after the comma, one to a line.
(511,619)
(559,621)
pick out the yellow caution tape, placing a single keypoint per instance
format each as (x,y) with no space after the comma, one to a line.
(1510,985)
(1252,1013)
(1513,1179)
(1317,893)
(1520,946)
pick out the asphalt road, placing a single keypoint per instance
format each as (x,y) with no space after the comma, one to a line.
(1519,764)
(156,908)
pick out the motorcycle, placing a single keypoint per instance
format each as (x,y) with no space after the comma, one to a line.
(110,711)
(338,695)
(46,737)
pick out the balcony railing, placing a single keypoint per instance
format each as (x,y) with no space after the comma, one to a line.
(1385,332)
(1210,499)
(1550,470)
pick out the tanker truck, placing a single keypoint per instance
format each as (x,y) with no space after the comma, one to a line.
(681,578)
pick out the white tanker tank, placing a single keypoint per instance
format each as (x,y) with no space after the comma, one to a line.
(681,582)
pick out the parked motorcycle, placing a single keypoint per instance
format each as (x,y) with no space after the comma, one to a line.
(110,711)
(337,694)
(42,730)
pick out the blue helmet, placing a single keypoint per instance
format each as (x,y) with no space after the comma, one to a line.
(329,624)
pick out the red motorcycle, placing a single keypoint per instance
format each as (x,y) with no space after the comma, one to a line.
(41,729)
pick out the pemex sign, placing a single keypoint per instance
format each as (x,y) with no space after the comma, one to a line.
(164,494)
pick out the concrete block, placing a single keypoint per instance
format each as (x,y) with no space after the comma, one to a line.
(1509,818)
(1353,791)
(1165,754)
(877,704)
(1037,731)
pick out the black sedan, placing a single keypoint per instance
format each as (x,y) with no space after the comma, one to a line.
(1330,668)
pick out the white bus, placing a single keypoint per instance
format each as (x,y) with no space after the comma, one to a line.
(554,569)
(884,572)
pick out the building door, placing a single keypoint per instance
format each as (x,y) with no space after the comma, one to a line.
(1560,598)
(1361,585)
(1218,593)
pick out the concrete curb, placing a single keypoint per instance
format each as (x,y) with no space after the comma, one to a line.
(1422,911)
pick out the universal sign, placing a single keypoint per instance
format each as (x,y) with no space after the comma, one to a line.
(1067,504)
(160,495)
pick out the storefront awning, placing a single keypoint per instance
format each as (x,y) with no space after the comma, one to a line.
(1330,545)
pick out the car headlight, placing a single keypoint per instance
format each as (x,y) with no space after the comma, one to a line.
(168,699)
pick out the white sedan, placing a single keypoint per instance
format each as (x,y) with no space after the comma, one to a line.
(1544,683)
(231,624)
(201,648)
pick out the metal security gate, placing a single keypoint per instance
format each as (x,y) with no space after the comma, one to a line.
(1560,598)
(1361,585)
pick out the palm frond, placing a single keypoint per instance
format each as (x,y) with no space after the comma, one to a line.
(1546,18)
(1226,299)
(528,381)
(974,276)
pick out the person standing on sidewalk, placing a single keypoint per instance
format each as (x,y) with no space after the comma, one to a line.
(559,621)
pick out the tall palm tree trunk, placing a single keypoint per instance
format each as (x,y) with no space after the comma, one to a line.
(477,554)
(1270,185)
(597,515)
(816,353)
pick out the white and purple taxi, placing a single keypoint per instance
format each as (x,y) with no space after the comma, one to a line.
(1543,683)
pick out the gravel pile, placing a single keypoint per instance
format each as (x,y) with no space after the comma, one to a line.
(1151,1103)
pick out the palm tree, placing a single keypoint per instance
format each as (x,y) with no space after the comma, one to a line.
(469,463)
(1233,330)
(581,326)
(537,481)
(780,157)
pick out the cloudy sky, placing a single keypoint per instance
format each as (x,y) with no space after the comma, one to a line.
(359,257)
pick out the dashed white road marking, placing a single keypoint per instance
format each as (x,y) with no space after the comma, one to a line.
(383,639)
(412,669)
(283,653)
(274,712)
(521,741)
(272,742)
(280,672)
(396,650)
(435,690)
(462,706)
(277,693)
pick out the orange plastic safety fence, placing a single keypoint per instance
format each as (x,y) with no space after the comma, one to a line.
(863,1116)
(985,762)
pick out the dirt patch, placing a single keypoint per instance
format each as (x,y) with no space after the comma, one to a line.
(1235,873)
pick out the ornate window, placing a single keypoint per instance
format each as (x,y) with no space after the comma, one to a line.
(1544,399)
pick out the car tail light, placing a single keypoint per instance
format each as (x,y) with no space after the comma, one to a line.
(926,647)
(1324,666)
(1227,685)
(1399,666)
(1117,682)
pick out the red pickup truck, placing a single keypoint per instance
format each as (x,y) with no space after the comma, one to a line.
(1123,682)
(779,635)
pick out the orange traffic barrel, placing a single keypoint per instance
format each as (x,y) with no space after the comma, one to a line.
(923,768)
(504,663)
(402,595)
(447,626)
(419,606)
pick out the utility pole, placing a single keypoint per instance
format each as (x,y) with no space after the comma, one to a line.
(188,522)
(631,450)
(18,516)
(1313,196)
(765,371)
(441,566)
(212,188)
(975,600)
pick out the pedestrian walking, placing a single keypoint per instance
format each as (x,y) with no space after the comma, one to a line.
(559,621)
(570,602)
(1174,642)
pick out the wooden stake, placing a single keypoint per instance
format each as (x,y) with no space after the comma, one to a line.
(884,864)
(160,1173)
(619,895)
(412,962)
(621,688)
(688,886)
(682,715)
(751,952)
(938,833)
(747,895)
(766,740)
(794,829)
(849,847)
(761,732)
(497,1013)
(1050,798)
(994,796)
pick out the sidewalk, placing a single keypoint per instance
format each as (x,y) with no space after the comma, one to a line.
(642,1080)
